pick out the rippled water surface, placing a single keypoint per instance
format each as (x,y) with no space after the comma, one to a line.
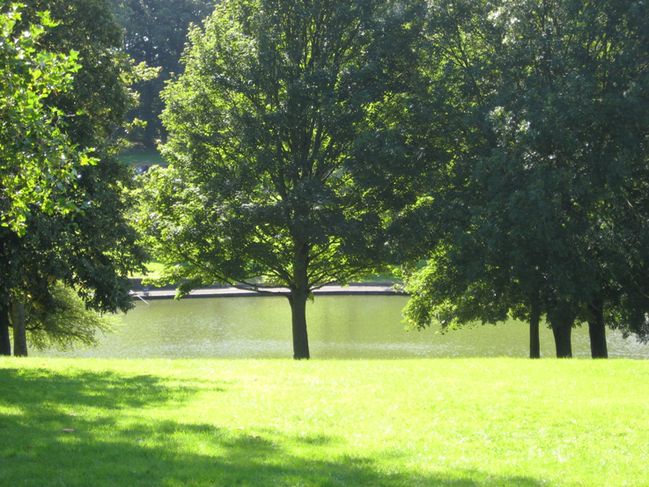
(339,327)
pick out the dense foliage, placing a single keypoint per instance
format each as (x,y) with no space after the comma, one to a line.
(94,247)
(497,150)
(36,156)
(266,127)
(89,247)
(545,212)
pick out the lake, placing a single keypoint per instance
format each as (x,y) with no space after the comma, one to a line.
(339,327)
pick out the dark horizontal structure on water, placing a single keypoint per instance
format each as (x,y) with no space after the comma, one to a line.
(140,291)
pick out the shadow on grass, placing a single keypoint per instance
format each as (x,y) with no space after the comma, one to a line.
(40,388)
(43,444)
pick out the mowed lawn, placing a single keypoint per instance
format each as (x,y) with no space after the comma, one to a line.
(450,422)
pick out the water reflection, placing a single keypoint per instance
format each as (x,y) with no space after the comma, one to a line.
(339,327)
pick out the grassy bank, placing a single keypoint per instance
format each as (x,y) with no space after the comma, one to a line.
(420,422)
(142,158)
(155,270)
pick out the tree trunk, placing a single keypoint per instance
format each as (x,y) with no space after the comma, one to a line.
(148,99)
(561,318)
(563,340)
(18,323)
(297,299)
(597,330)
(5,342)
(298,320)
(535,342)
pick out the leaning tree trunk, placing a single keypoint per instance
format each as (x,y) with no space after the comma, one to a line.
(535,342)
(597,330)
(297,299)
(562,321)
(18,323)
(562,318)
(563,339)
(5,342)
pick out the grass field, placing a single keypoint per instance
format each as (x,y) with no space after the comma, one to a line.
(404,422)
(142,158)
(154,271)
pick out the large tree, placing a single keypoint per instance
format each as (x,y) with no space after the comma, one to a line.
(35,152)
(37,158)
(90,247)
(266,128)
(539,221)
(100,243)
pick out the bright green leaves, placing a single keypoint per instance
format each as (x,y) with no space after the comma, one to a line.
(37,159)
(63,204)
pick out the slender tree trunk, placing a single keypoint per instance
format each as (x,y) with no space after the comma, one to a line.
(597,330)
(148,95)
(535,342)
(18,323)
(297,299)
(298,320)
(5,342)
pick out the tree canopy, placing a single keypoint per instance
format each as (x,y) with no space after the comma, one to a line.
(542,212)
(36,155)
(89,247)
(266,130)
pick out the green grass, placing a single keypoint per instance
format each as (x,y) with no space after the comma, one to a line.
(154,271)
(380,277)
(142,158)
(450,422)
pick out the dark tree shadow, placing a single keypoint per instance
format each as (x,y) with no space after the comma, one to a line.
(109,450)
(31,388)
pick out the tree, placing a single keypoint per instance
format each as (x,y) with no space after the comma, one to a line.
(100,242)
(154,33)
(37,158)
(541,225)
(63,320)
(470,276)
(266,128)
(90,248)
(31,127)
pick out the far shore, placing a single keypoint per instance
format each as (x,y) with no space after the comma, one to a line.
(143,292)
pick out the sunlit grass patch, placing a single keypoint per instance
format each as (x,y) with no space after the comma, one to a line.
(367,422)
(153,271)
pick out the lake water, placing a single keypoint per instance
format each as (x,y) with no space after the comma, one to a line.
(339,327)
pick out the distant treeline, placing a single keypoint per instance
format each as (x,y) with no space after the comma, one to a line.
(155,32)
